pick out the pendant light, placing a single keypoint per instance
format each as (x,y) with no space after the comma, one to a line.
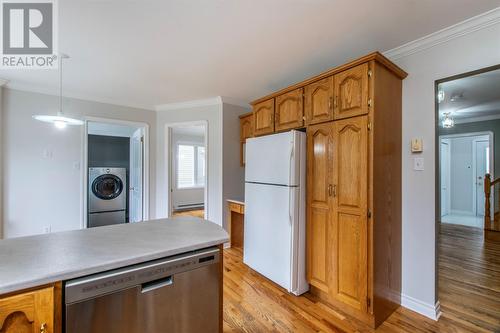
(59,120)
(448,121)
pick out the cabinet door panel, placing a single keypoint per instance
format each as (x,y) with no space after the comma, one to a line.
(351,92)
(263,117)
(289,110)
(350,263)
(246,131)
(319,101)
(28,312)
(319,171)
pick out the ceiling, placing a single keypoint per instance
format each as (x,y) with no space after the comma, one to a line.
(472,97)
(151,52)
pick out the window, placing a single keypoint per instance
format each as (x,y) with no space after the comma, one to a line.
(190,166)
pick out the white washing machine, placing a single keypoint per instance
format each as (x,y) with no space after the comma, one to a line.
(107,202)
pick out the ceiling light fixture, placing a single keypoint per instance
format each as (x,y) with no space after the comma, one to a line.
(440,96)
(59,120)
(448,121)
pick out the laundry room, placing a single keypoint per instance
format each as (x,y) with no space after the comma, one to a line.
(115,154)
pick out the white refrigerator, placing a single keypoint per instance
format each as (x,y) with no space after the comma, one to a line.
(274,229)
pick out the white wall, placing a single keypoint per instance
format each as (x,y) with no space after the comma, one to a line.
(475,50)
(212,114)
(1,161)
(234,173)
(42,176)
(185,196)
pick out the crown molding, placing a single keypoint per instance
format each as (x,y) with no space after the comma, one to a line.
(50,92)
(190,104)
(468,26)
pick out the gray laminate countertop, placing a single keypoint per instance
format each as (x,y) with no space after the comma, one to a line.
(31,261)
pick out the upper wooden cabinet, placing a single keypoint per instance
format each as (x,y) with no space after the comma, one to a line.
(30,312)
(289,112)
(319,101)
(351,92)
(263,117)
(246,131)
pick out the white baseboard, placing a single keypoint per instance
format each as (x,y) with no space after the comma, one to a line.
(430,311)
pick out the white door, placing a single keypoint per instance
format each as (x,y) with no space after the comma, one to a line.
(136,177)
(445,177)
(481,159)
(268,231)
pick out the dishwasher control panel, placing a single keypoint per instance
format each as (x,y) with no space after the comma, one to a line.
(91,286)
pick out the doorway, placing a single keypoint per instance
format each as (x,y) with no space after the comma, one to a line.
(468,132)
(115,172)
(464,161)
(188,155)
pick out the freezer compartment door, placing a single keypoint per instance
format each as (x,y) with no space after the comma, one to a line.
(274,159)
(268,231)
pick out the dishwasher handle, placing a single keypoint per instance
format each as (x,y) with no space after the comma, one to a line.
(157,284)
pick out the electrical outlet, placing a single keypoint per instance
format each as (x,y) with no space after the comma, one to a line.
(47,229)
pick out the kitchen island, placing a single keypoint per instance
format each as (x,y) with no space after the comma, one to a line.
(34,270)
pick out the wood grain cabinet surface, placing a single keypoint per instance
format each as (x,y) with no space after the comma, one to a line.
(246,131)
(263,117)
(319,101)
(289,112)
(351,92)
(33,311)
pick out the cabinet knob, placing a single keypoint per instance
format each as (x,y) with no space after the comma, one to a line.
(43,328)
(332,190)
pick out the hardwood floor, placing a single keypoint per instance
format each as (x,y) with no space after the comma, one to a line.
(469,280)
(196,213)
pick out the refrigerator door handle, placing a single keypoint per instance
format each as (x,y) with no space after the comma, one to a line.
(290,205)
(291,181)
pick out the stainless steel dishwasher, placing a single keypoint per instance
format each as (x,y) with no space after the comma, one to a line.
(175,294)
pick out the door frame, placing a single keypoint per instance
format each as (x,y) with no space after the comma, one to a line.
(85,164)
(169,162)
(491,138)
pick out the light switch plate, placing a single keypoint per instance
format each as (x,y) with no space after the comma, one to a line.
(417,145)
(418,164)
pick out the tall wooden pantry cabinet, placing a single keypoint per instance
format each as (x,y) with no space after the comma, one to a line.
(352,115)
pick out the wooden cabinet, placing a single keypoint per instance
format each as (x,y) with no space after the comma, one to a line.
(353,227)
(235,222)
(263,117)
(289,112)
(33,311)
(246,131)
(351,92)
(319,221)
(349,212)
(319,101)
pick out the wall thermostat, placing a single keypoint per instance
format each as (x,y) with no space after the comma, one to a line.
(417,145)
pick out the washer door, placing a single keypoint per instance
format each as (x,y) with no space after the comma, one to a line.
(107,187)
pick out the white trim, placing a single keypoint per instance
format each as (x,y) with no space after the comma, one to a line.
(51,92)
(3,82)
(465,27)
(169,159)
(477,119)
(189,104)
(84,163)
(430,311)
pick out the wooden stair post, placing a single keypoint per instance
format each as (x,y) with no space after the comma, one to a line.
(487,194)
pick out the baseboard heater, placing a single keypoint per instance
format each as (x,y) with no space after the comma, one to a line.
(190,206)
